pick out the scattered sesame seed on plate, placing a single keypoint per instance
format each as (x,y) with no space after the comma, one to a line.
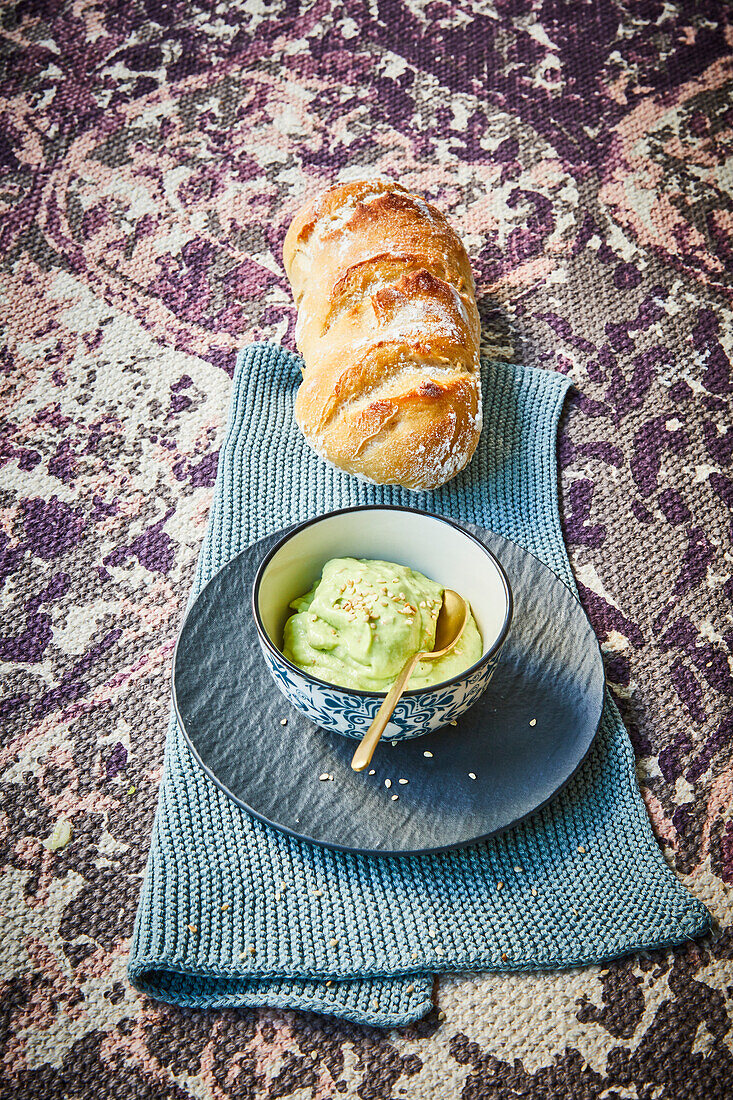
(472,775)
(388,783)
(283,721)
(372,771)
(403,781)
(323,777)
(395,797)
(533,721)
(428,754)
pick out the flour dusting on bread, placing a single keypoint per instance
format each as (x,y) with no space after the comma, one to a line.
(389,330)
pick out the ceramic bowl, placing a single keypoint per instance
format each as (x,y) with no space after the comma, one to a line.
(430,544)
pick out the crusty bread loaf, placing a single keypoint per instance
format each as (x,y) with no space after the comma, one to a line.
(389,330)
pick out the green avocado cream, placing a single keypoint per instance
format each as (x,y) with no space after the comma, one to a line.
(362,620)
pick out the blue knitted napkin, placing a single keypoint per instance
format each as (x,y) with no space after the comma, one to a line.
(234,913)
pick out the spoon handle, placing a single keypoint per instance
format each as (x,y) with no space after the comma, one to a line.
(370,740)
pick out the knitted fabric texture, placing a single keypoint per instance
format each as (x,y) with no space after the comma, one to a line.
(583,879)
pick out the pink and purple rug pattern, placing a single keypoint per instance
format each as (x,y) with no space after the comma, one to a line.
(152,154)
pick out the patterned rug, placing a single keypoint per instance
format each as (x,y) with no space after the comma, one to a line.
(153,153)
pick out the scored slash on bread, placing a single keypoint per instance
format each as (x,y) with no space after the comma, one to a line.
(389,331)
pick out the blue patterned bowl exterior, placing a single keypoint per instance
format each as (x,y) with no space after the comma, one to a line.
(351,714)
(436,546)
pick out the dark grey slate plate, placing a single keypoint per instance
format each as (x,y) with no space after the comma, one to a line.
(230,710)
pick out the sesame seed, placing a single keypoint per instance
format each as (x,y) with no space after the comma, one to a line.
(333,942)
(453,723)
(518,868)
(428,754)
(372,771)
(500,886)
(534,891)
(533,721)
(504,956)
(284,721)
(226,905)
(192,928)
(388,783)
(323,777)
(395,797)
(581,848)
(375,1003)
(410,989)
(472,775)
(329,983)
(403,781)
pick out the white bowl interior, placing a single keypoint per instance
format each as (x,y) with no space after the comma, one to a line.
(422,542)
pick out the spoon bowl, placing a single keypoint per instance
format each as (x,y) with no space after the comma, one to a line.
(451,623)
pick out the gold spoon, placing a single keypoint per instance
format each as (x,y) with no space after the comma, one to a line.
(448,629)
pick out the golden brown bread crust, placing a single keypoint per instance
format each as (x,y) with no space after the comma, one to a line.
(389,330)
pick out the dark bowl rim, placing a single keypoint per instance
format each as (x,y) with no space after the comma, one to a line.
(412,692)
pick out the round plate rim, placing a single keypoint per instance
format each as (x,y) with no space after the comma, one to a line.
(384,852)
